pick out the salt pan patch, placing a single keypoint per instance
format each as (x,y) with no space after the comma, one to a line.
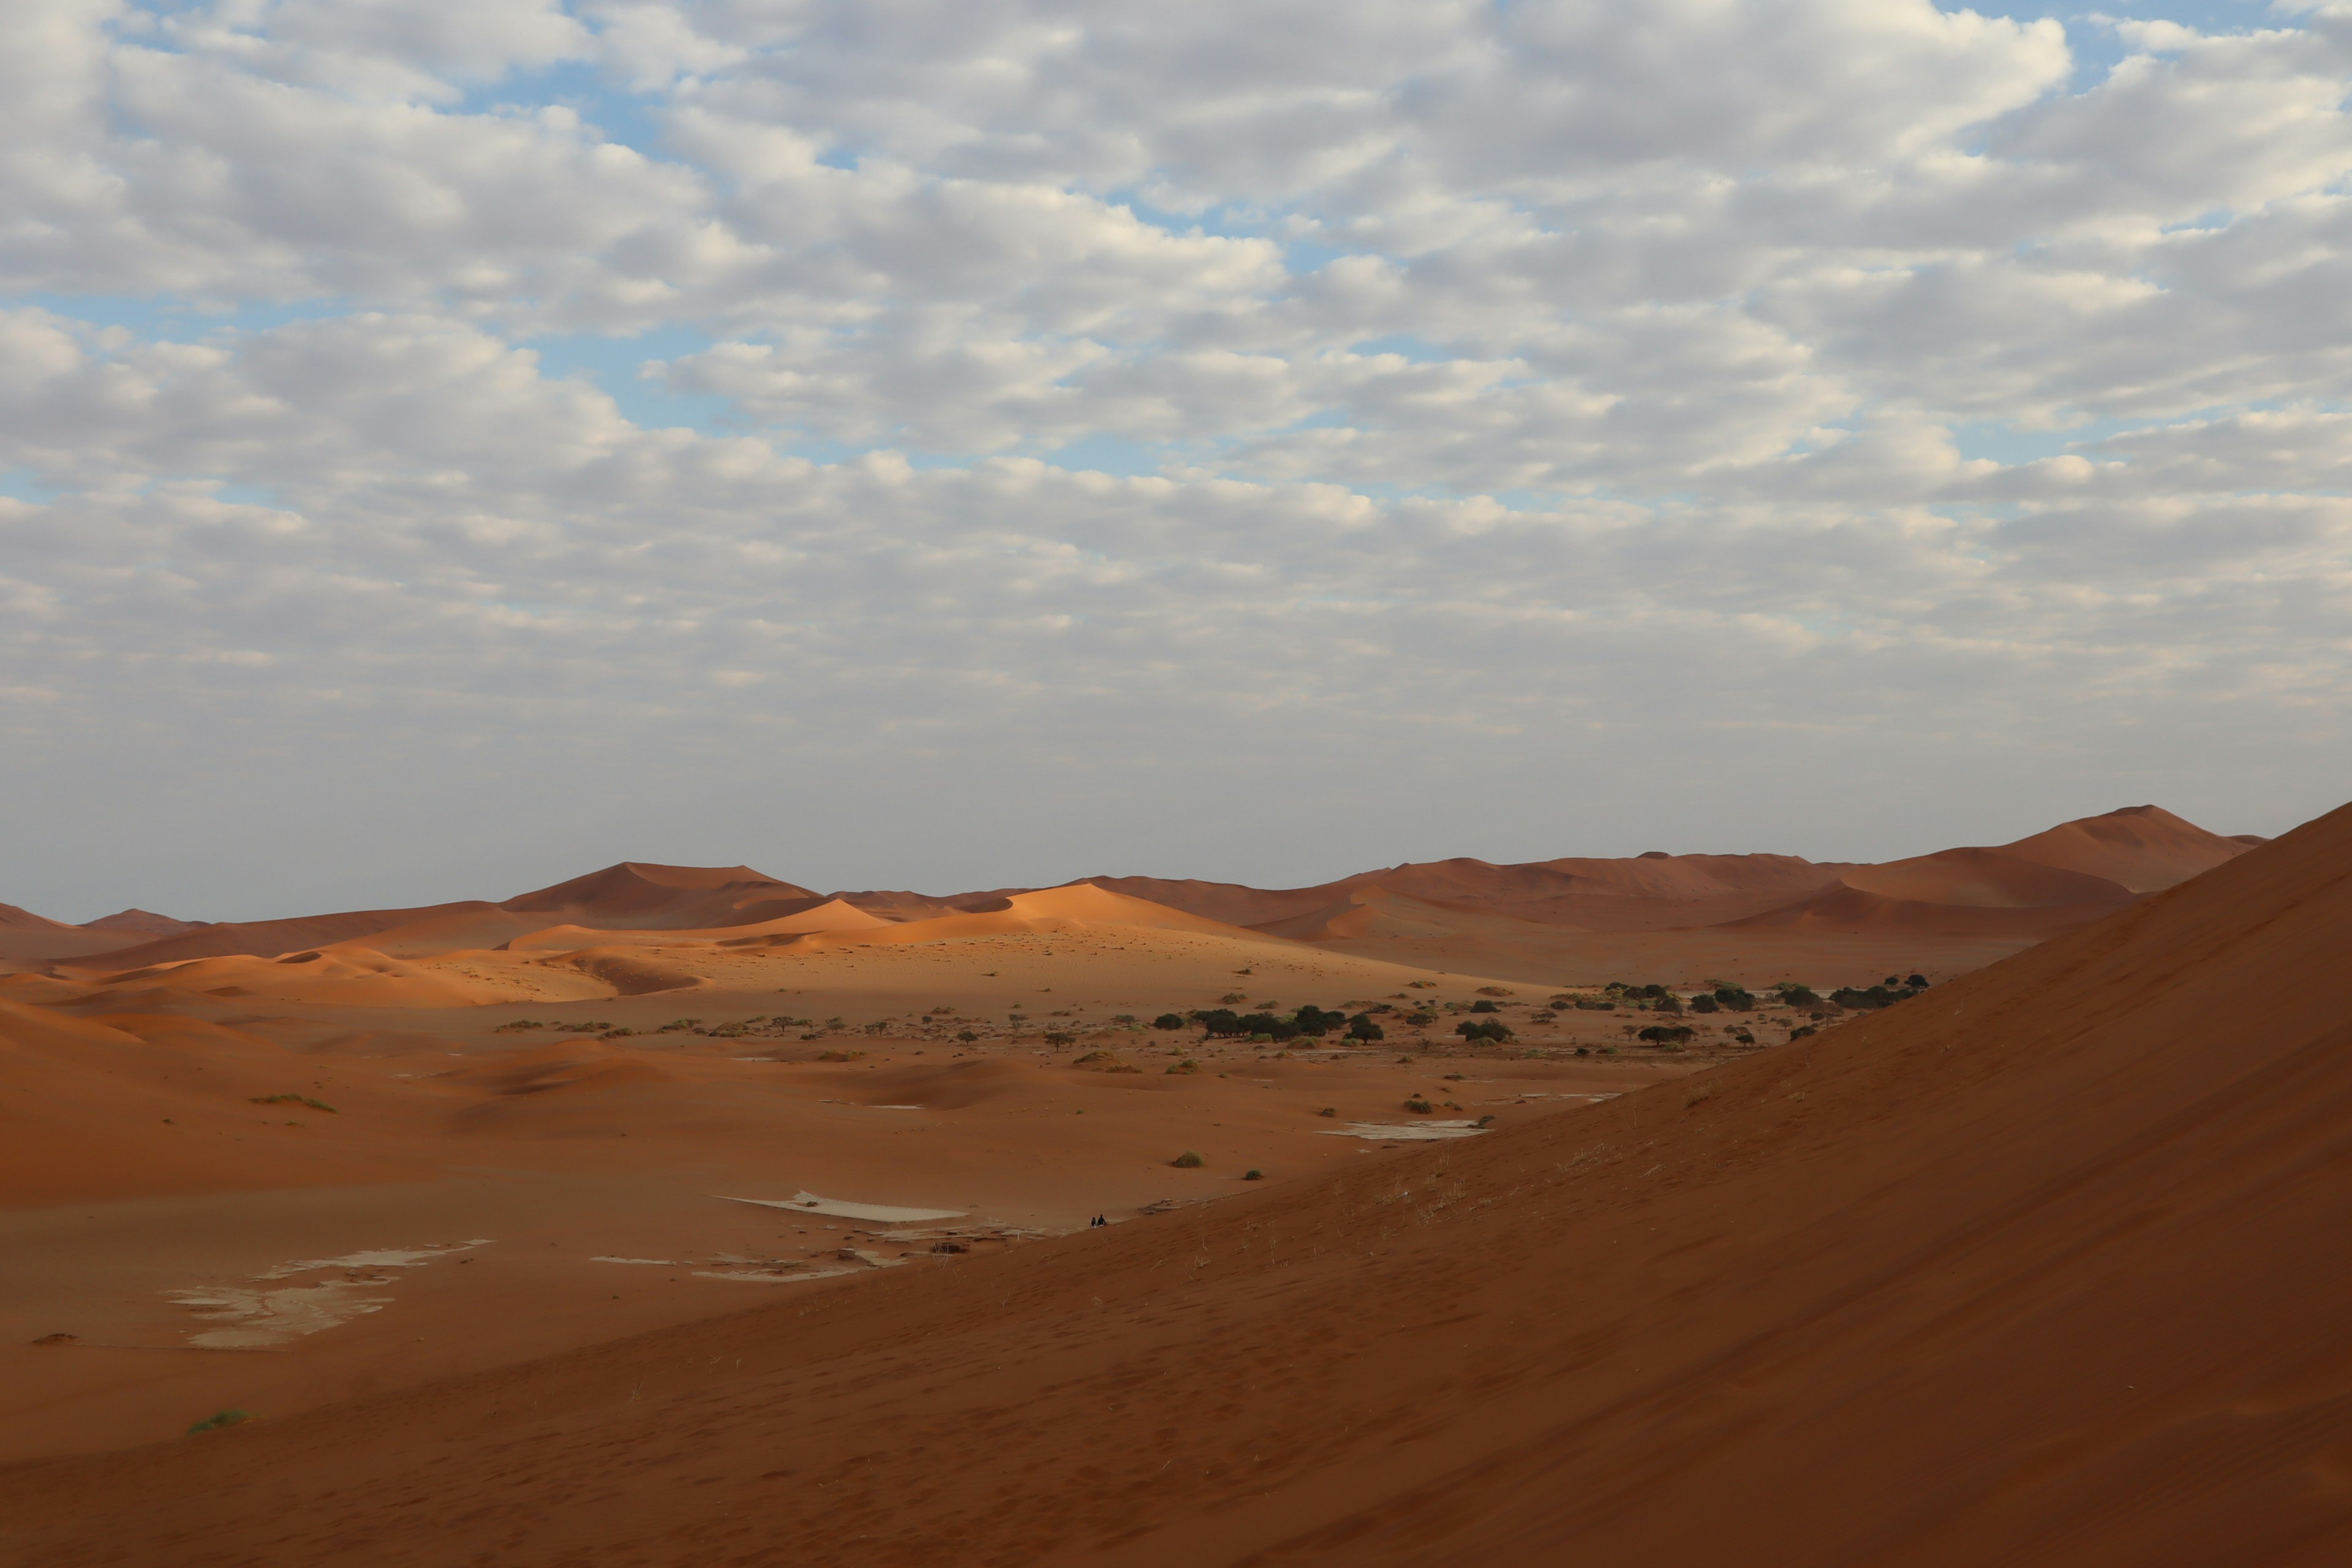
(256,1320)
(879,1214)
(1408,1131)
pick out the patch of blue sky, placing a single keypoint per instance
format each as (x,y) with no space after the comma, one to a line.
(616,366)
(630,118)
(2098,46)
(2005,444)
(1106,454)
(1225,220)
(24,485)
(1404,345)
(2009,446)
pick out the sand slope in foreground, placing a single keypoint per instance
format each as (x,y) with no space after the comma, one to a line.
(2038,1268)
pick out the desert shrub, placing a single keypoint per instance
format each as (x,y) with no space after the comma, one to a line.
(839,1056)
(294,1100)
(1168,1021)
(1736,997)
(1418,1106)
(1667,1002)
(1232,998)
(519,1023)
(967,1036)
(1317,1021)
(1595,1004)
(1584,1051)
(1493,1029)
(1362,1028)
(1329,1110)
(1703,1004)
(1917,982)
(1252,1175)
(1699,1096)
(1666,1034)
(1484,1006)
(1092,1056)
(1188,1161)
(1122,1017)
(1187,1065)
(678,1026)
(1862,1001)
(1798,997)
(1421,1019)
(1802,1033)
(218,1419)
(1057,1038)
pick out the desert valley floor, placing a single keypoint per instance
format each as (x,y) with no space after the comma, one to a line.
(680,1215)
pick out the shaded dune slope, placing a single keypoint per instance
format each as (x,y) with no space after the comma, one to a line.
(2039,1267)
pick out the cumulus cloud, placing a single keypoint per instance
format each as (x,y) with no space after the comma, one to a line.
(1723,387)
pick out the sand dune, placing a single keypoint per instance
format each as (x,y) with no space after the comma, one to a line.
(1553,922)
(642,896)
(2143,847)
(2031,1270)
(268,938)
(145,922)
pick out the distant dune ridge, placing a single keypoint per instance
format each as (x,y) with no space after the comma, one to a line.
(1540,920)
(2035,1269)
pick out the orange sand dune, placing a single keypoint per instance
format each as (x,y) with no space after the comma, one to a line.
(1984,879)
(2143,847)
(833,914)
(346,974)
(640,895)
(140,921)
(2033,1269)
(268,938)
(134,1105)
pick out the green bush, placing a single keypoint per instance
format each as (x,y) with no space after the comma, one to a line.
(1361,1027)
(1188,1161)
(1168,1021)
(1493,1029)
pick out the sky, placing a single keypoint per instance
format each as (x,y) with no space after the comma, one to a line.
(448,445)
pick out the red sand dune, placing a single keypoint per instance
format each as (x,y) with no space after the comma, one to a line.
(639,895)
(2037,1269)
(145,922)
(2143,847)
(1543,922)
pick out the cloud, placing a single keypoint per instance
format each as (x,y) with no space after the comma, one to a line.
(1636,395)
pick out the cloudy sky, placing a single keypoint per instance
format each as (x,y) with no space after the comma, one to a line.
(449,445)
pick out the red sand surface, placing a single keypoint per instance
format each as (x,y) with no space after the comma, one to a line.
(2040,1266)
